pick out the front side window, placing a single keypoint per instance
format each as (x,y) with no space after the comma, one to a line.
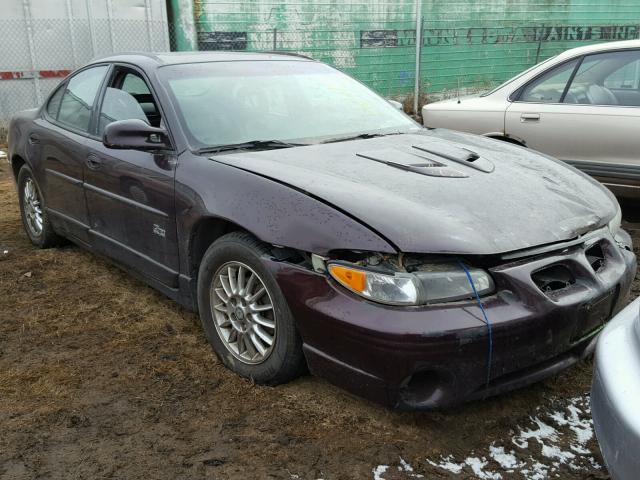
(549,87)
(127,97)
(79,96)
(223,103)
(119,105)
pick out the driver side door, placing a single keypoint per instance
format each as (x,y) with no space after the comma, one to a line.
(130,193)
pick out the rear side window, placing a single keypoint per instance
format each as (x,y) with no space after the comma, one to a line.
(79,96)
(54,103)
(609,78)
(549,87)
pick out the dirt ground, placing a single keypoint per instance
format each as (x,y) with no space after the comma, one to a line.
(103,377)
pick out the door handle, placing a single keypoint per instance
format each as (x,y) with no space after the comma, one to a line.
(34,139)
(93,162)
(529,117)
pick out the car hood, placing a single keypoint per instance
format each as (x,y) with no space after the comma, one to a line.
(441,191)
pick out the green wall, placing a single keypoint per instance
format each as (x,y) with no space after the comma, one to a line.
(465,44)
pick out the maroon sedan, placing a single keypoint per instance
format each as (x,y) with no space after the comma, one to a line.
(312,224)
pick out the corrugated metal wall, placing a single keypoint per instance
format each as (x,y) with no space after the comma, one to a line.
(465,44)
(42,40)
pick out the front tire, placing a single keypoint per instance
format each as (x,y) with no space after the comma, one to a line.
(244,313)
(32,210)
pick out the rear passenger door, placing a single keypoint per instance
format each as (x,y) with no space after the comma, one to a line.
(130,193)
(60,140)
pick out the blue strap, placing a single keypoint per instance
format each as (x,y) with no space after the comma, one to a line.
(486,319)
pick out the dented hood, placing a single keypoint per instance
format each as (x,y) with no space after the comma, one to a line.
(441,191)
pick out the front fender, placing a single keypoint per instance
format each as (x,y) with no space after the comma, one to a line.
(272,211)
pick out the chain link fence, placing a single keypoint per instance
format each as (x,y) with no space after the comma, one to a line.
(455,47)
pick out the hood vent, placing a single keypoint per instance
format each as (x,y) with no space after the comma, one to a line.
(412,162)
(457,154)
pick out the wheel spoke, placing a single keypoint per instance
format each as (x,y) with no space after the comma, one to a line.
(225,285)
(250,348)
(261,291)
(265,322)
(221,307)
(251,280)
(222,295)
(241,280)
(225,323)
(257,344)
(242,348)
(261,308)
(263,335)
(232,280)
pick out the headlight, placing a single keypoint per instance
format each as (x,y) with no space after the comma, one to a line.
(430,284)
(616,222)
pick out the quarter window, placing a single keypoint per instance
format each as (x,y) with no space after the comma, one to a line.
(549,87)
(54,103)
(79,97)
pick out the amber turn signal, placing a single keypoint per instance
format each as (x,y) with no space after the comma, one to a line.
(354,279)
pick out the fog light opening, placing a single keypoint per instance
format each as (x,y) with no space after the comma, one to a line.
(553,278)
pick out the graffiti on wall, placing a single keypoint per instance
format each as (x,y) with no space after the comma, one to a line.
(432,37)
(222,40)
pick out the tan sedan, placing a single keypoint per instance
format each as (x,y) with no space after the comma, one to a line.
(582,106)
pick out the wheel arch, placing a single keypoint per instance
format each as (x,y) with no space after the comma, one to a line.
(16,164)
(206,231)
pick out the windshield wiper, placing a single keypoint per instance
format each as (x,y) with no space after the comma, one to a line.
(250,145)
(362,136)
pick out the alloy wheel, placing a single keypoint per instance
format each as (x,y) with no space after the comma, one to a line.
(32,207)
(243,312)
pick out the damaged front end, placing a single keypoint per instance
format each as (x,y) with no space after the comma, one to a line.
(436,330)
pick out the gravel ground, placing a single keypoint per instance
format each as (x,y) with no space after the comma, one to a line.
(102,377)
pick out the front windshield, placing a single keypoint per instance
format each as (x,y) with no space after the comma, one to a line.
(224,103)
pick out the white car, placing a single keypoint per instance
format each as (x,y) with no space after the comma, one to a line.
(582,106)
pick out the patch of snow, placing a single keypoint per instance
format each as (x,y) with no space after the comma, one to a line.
(447,463)
(404,466)
(541,433)
(505,460)
(537,471)
(554,439)
(478,465)
(552,451)
(379,471)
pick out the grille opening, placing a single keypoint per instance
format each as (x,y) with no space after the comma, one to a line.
(595,257)
(553,278)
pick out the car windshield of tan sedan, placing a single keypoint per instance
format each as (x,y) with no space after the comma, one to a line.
(222,103)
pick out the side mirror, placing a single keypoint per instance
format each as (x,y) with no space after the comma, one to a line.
(396,104)
(135,134)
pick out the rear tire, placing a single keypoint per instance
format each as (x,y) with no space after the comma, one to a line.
(252,333)
(33,212)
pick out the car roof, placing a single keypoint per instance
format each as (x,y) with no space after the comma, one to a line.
(150,60)
(599,47)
